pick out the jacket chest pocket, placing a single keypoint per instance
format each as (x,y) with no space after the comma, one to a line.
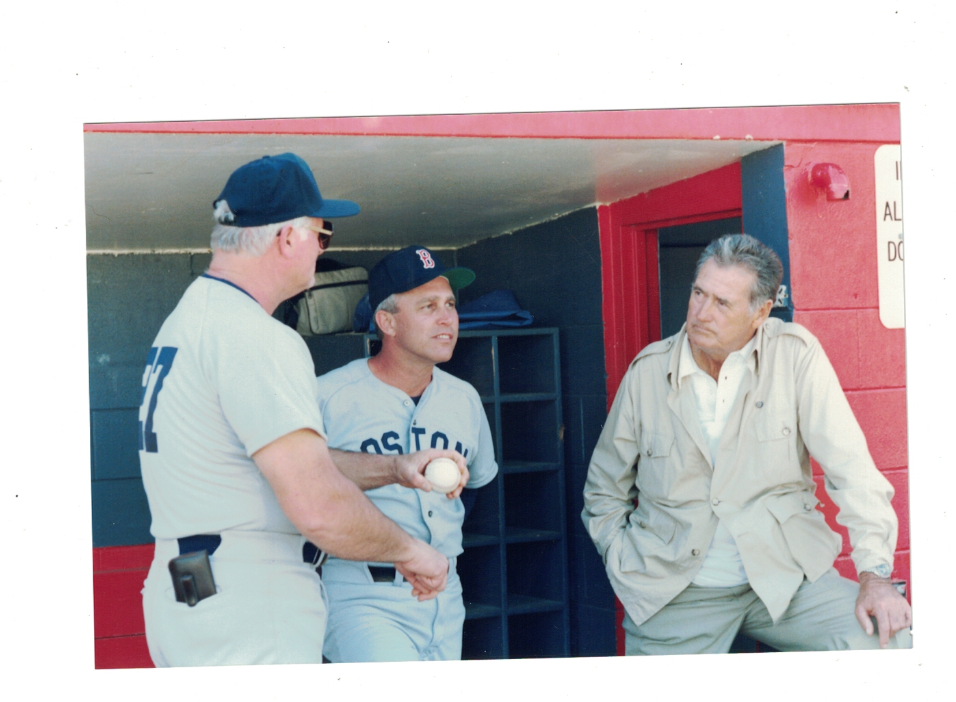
(774,407)
(771,426)
(655,472)
(775,428)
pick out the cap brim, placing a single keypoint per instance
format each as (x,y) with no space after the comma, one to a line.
(459,278)
(337,208)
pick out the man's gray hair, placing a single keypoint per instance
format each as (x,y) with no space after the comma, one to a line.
(744,250)
(252,241)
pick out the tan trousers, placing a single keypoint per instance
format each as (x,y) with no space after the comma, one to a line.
(707,619)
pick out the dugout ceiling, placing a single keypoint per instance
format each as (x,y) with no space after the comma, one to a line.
(154,191)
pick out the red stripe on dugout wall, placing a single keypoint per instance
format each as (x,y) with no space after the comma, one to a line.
(877,123)
(118,626)
(122,652)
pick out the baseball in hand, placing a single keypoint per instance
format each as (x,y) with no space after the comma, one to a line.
(443,474)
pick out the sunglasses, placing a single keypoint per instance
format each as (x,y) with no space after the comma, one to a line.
(325,235)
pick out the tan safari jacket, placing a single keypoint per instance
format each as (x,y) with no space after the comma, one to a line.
(652,448)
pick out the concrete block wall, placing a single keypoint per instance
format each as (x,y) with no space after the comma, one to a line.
(833,256)
(129,296)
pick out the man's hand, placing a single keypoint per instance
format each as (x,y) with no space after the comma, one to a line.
(880,599)
(410,469)
(426,571)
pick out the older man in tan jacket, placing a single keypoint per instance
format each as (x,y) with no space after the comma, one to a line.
(711,433)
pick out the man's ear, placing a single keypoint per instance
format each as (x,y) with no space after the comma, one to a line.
(385,322)
(762,314)
(287,241)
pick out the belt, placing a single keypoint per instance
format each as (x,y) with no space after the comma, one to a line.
(314,555)
(311,553)
(382,574)
(200,542)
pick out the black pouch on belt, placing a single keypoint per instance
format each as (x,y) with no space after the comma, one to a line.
(192,577)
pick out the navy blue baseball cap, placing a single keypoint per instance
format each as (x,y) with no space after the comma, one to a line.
(275,189)
(404,270)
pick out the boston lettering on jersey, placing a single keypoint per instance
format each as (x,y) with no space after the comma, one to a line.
(390,442)
(158,364)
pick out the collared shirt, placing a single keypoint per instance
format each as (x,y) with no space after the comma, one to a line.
(715,398)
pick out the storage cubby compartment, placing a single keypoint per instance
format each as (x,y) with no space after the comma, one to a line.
(473,362)
(526,364)
(482,639)
(529,433)
(529,506)
(483,524)
(543,635)
(536,575)
(480,571)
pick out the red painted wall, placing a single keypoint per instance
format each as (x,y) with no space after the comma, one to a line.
(833,271)
(118,628)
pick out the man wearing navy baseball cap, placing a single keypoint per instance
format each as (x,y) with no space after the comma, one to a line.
(400,271)
(395,403)
(245,496)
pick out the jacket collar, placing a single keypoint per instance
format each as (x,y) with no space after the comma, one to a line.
(673,362)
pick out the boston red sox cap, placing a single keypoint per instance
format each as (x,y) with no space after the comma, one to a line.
(275,189)
(404,270)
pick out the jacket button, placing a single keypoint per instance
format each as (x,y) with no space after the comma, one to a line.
(695,552)
(642,525)
(808,508)
(715,502)
(759,404)
(648,452)
(429,513)
(786,431)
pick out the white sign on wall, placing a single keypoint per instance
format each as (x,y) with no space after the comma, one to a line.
(889,234)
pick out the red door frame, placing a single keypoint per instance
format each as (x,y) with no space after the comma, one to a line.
(631,283)
(628,234)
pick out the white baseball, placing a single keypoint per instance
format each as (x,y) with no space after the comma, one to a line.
(443,474)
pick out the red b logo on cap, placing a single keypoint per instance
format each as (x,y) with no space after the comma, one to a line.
(427,260)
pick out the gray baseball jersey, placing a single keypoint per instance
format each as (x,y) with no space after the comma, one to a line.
(361,413)
(382,621)
(223,379)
